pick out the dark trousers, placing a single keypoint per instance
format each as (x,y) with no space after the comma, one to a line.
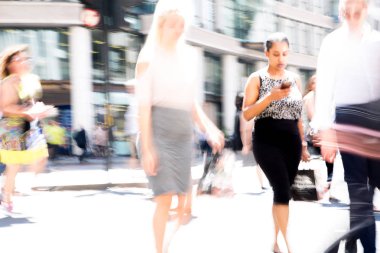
(362,176)
(83,154)
(53,150)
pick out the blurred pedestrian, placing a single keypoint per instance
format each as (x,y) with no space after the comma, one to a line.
(22,142)
(273,97)
(167,110)
(348,93)
(131,122)
(206,150)
(247,153)
(235,140)
(241,141)
(55,137)
(80,138)
(309,104)
(100,140)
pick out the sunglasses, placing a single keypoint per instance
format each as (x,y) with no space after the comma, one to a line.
(20,59)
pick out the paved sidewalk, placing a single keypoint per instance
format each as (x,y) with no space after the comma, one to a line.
(68,174)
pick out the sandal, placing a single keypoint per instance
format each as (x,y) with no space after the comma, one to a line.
(6,203)
(8,206)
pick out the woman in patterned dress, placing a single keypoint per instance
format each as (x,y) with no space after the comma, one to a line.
(278,143)
(19,145)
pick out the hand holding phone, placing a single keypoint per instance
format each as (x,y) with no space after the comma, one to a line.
(286,85)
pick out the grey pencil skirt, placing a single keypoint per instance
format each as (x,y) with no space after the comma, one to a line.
(172,138)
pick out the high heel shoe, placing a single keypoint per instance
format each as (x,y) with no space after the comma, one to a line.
(276,249)
(8,206)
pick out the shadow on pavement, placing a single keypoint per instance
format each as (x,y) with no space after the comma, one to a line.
(123,192)
(254,193)
(88,187)
(9,221)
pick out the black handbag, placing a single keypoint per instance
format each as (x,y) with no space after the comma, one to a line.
(304,186)
(209,171)
(217,176)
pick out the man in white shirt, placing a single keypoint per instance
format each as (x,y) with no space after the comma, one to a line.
(348,92)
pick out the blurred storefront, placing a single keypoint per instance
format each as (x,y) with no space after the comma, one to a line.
(67,57)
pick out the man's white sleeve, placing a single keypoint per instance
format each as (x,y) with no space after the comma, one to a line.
(326,75)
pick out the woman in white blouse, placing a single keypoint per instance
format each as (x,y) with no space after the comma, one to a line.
(167,110)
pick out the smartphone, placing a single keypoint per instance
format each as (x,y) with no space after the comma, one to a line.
(286,85)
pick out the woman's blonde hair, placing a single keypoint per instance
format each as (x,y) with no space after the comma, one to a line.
(164,8)
(6,57)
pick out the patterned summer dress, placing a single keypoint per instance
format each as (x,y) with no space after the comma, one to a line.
(20,145)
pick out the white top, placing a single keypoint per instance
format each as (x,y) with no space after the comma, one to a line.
(168,81)
(348,72)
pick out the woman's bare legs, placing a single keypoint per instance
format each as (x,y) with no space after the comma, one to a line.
(188,201)
(33,170)
(281,217)
(160,219)
(39,166)
(276,230)
(183,208)
(184,202)
(161,216)
(260,176)
(9,184)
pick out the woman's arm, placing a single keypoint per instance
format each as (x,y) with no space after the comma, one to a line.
(252,105)
(9,98)
(144,109)
(214,136)
(149,158)
(308,103)
(246,128)
(305,152)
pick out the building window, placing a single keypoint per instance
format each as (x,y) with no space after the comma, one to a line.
(332,9)
(49,49)
(209,14)
(291,30)
(246,69)
(305,75)
(123,51)
(304,39)
(229,16)
(278,24)
(241,17)
(243,20)
(213,87)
